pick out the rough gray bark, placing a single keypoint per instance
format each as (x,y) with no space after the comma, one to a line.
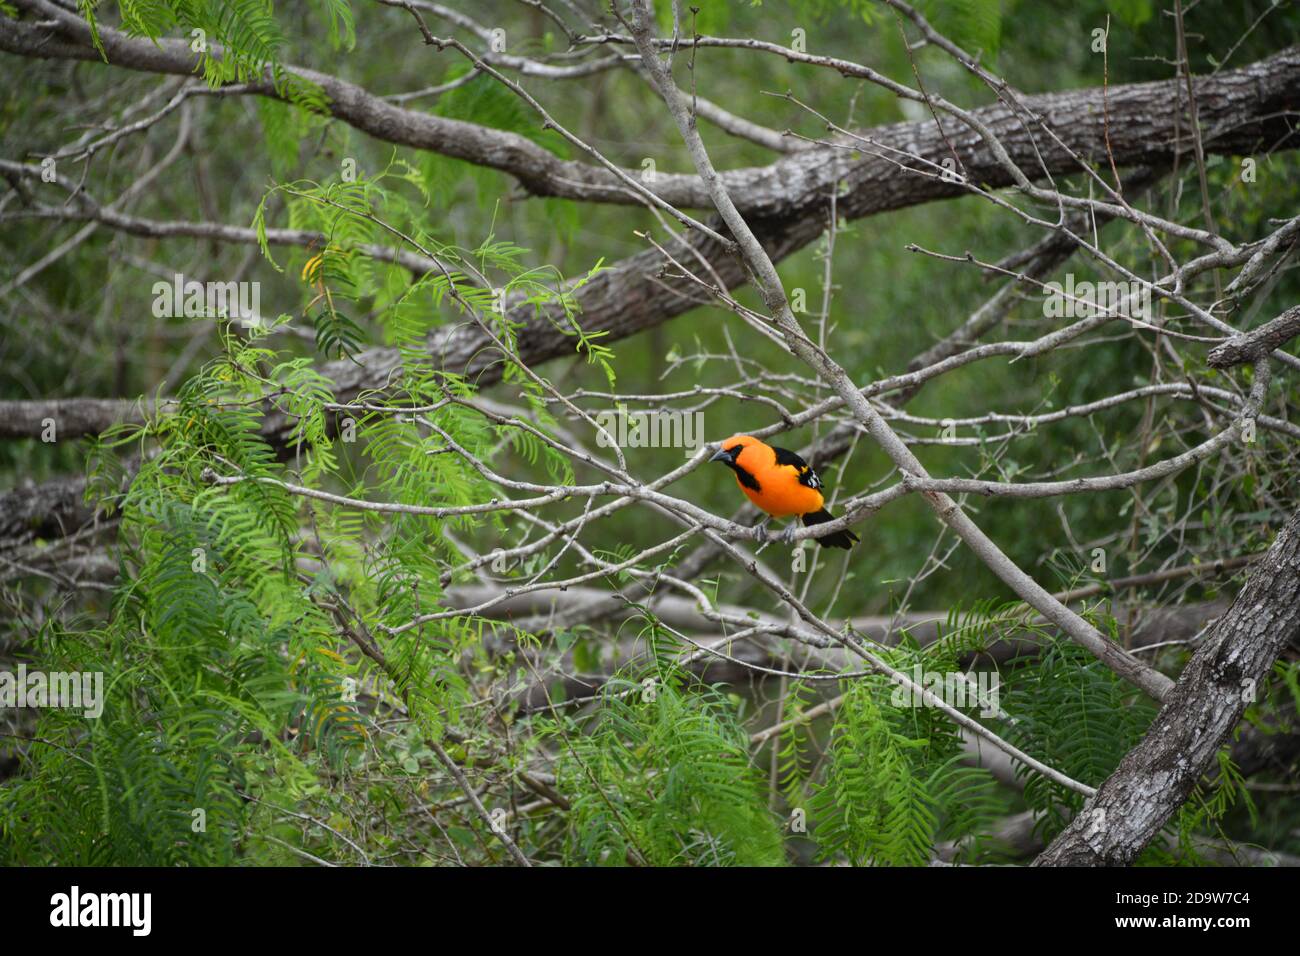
(1157,776)
(1240,110)
(1251,345)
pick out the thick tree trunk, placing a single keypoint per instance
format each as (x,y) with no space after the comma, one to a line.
(1157,776)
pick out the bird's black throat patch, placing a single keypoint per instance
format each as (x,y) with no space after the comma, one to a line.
(745,478)
(742,475)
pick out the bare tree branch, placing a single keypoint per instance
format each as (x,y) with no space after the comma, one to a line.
(1257,342)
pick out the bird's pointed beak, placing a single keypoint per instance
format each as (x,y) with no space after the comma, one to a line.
(722,455)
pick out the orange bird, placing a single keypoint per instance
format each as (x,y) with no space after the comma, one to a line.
(781,484)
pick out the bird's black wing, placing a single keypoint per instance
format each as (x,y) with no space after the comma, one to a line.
(806,474)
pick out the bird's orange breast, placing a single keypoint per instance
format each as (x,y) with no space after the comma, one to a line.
(780,493)
(784,499)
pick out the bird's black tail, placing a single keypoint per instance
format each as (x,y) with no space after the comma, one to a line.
(840,539)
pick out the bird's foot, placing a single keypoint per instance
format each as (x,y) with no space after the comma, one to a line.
(787,536)
(760,531)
